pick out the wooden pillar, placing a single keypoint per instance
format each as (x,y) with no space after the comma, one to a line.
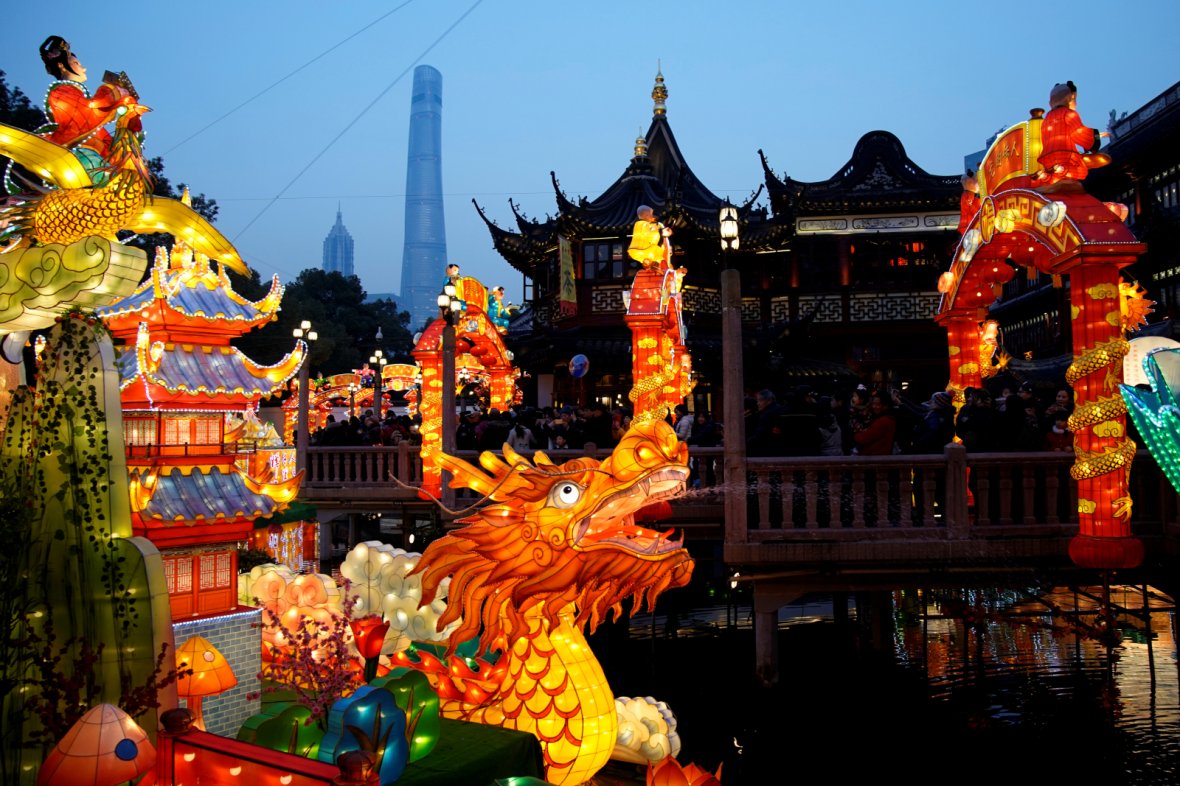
(954,509)
(765,642)
(734,421)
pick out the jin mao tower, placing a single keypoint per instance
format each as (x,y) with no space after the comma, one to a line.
(424,255)
(338,248)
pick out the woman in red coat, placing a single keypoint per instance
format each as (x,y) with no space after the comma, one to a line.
(878,437)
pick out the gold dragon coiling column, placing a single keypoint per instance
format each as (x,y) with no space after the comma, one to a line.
(1103,452)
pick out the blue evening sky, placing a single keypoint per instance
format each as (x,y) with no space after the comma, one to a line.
(531,86)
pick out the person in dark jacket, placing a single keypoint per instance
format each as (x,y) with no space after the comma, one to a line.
(765,438)
(979,425)
(937,427)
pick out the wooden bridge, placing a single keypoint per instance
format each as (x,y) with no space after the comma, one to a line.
(847,524)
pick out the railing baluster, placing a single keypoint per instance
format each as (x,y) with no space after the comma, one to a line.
(882,484)
(905,493)
(811,498)
(983,487)
(763,480)
(858,499)
(1028,477)
(835,498)
(787,498)
(1005,485)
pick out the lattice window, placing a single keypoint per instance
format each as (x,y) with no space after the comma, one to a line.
(176,431)
(780,309)
(751,309)
(828,309)
(221,573)
(140,431)
(208,569)
(606,300)
(170,574)
(207,430)
(184,576)
(706,301)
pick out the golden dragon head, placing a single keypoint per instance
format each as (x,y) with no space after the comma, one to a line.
(558,535)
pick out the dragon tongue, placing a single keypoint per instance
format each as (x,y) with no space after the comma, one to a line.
(657,511)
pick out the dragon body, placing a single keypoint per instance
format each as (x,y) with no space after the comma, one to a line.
(557,550)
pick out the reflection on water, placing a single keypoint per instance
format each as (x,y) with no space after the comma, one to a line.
(981,687)
(1013,666)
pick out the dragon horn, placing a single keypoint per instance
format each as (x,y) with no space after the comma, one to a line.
(463,475)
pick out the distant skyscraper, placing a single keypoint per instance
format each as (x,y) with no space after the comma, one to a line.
(338,248)
(424,255)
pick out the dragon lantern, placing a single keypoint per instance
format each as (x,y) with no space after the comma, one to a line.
(556,550)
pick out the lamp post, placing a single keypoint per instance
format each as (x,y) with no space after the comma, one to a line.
(302,435)
(377,362)
(448,309)
(733,373)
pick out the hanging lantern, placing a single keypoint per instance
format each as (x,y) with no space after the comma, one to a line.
(105,747)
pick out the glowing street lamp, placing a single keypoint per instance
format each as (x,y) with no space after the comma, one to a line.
(302,333)
(352,390)
(729,227)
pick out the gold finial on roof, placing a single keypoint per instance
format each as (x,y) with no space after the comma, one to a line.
(640,145)
(186,198)
(659,93)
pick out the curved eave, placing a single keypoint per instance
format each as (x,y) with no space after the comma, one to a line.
(188,297)
(174,371)
(522,251)
(195,494)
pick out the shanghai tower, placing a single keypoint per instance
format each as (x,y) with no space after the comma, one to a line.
(424,255)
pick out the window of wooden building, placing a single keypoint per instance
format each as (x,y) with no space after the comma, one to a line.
(603,261)
(201,583)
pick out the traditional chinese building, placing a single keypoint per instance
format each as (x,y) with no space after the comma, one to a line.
(838,276)
(195,491)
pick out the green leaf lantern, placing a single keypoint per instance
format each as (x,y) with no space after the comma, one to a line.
(283,726)
(368,720)
(419,702)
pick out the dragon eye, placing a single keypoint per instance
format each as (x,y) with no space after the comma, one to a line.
(565,495)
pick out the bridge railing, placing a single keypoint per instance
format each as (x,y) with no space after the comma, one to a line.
(958,493)
(953,493)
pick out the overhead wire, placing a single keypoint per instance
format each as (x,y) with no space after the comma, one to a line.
(278,82)
(357,118)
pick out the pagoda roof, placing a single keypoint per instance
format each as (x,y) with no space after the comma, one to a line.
(192,494)
(658,176)
(879,178)
(160,374)
(185,291)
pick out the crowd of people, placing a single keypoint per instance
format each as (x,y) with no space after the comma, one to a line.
(883,421)
(802,422)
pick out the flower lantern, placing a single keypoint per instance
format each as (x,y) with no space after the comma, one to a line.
(669,772)
(211,674)
(103,748)
(369,634)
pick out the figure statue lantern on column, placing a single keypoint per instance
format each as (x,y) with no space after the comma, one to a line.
(499,311)
(77,118)
(454,279)
(968,200)
(1062,133)
(649,244)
